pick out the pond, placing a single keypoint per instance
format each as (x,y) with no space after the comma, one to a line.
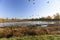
(43,23)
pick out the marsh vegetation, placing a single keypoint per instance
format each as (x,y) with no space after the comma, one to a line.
(34,31)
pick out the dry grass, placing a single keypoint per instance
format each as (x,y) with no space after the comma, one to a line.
(27,30)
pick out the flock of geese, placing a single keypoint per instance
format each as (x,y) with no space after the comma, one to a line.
(34,4)
(34,1)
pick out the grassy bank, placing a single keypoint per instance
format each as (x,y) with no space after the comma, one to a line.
(41,37)
(24,30)
(30,32)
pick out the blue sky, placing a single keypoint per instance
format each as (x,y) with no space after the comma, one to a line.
(26,9)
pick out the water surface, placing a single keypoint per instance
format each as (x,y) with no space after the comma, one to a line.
(26,23)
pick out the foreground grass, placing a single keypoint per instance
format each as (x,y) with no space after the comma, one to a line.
(41,37)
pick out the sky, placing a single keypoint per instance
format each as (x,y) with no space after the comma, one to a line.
(28,8)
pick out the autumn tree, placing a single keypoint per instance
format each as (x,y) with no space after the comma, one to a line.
(57,16)
(42,18)
(48,17)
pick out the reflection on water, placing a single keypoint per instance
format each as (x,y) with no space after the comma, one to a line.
(43,23)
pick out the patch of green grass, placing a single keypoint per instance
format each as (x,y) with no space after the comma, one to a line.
(41,37)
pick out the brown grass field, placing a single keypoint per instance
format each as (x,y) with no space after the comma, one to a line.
(31,30)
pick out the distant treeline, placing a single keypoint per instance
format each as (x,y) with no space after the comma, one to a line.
(42,20)
(55,17)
